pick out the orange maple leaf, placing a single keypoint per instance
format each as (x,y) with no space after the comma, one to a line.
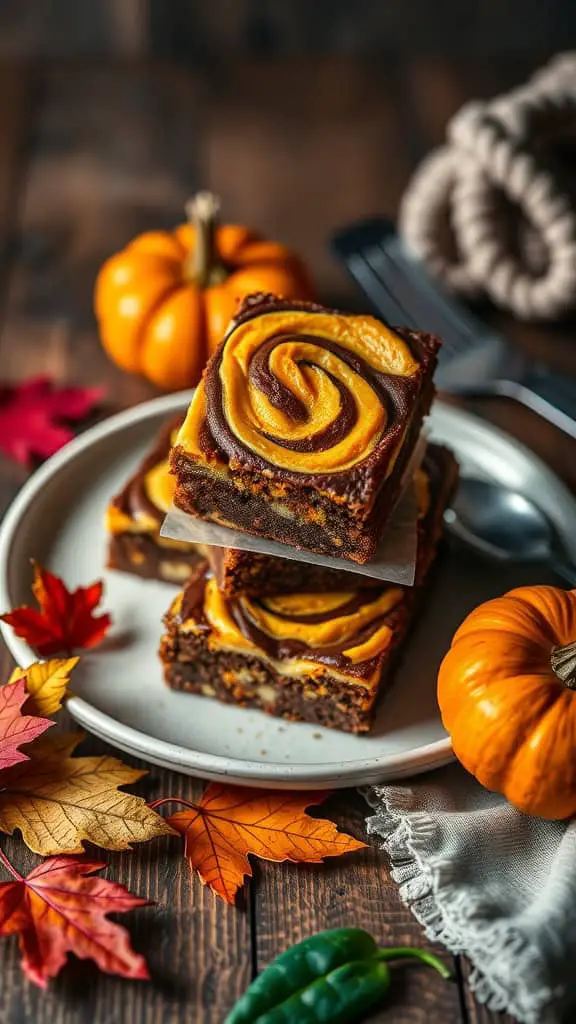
(65,621)
(16,728)
(231,822)
(57,910)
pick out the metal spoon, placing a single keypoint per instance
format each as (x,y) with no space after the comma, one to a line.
(506,525)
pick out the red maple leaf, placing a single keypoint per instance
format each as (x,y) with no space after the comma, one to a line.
(33,415)
(16,728)
(65,621)
(57,910)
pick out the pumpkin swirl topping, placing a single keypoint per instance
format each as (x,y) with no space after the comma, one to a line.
(303,391)
(341,629)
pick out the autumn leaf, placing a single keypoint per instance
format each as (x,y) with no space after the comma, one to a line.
(65,621)
(58,909)
(231,822)
(16,728)
(46,683)
(58,801)
(33,415)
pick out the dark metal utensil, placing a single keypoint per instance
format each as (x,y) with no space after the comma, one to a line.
(506,525)
(474,361)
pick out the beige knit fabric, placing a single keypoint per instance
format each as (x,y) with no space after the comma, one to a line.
(493,211)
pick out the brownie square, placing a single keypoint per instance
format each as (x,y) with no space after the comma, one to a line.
(303,424)
(135,515)
(324,658)
(255,574)
(250,572)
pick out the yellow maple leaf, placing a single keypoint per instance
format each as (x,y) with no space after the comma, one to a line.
(46,682)
(60,801)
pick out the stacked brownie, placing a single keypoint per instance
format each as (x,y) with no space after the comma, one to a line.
(301,431)
(322,657)
(135,515)
(302,426)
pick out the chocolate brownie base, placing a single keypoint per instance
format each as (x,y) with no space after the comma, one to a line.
(141,555)
(250,682)
(249,572)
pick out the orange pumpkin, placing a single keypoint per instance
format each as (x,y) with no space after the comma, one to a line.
(164,302)
(507,694)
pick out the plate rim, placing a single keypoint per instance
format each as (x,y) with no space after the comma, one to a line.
(184,759)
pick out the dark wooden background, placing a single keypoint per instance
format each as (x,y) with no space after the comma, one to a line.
(90,153)
(201,31)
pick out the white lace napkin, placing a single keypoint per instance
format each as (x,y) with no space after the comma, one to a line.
(490,883)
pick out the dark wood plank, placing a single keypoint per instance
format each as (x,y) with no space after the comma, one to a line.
(300,147)
(114,151)
(128,22)
(192,29)
(436,88)
(16,101)
(16,98)
(68,28)
(293,902)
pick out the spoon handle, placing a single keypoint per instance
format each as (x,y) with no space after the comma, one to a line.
(564,568)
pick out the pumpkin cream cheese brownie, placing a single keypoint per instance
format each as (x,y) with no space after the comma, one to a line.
(303,425)
(323,657)
(254,573)
(135,515)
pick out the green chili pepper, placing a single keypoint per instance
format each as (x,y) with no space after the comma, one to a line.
(330,978)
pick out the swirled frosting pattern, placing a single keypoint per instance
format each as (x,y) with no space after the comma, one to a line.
(304,391)
(342,632)
(134,518)
(146,497)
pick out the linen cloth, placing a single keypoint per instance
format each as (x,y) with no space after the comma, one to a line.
(489,882)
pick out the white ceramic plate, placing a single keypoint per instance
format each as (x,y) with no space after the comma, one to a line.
(118,690)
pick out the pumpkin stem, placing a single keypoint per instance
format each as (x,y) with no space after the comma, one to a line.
(203,265)
(563,661)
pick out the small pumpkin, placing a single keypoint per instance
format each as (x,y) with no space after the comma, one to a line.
(507,694)
(164,302)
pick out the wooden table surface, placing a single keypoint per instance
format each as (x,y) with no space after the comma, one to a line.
(90,155)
